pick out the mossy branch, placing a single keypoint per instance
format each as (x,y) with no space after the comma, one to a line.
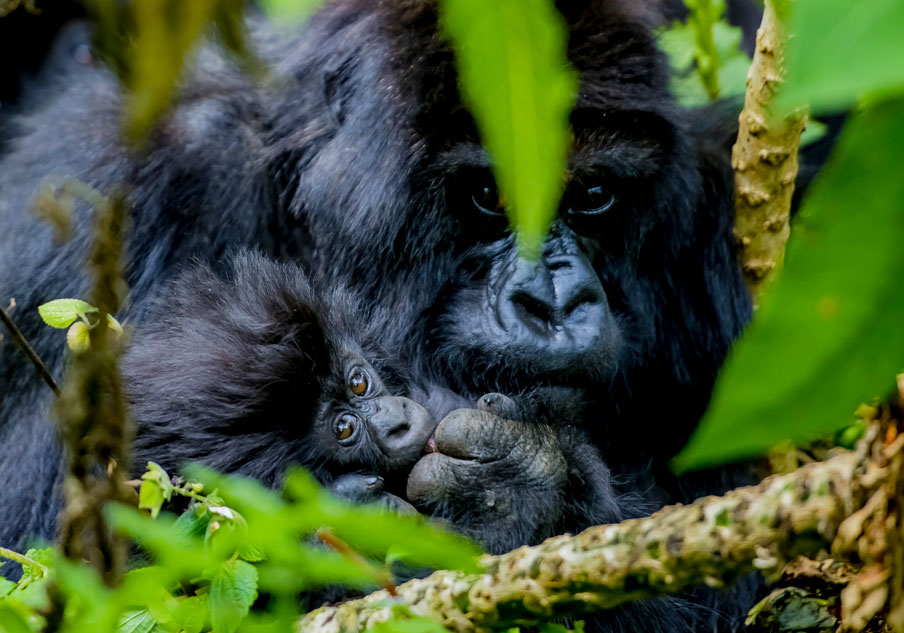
(712,542)
(765,158)
(91,410)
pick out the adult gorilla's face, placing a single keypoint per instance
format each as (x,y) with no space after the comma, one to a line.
(564,318)
(637,293)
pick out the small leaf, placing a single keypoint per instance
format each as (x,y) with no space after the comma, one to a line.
(233,589)
(60,313)
(190,614)
(78,338)
(150,497)
(516,78)
(290,11)
(137,622)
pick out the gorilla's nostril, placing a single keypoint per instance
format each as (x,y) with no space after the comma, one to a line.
(532,309)
(399,429)
(558,265)
(585,296)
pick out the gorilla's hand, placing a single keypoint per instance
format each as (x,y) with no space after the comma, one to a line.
(500,481)
(368,489)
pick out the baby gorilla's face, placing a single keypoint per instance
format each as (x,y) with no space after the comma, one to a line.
(363,425)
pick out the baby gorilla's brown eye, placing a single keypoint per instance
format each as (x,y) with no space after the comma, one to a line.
(345,427)
(358,382)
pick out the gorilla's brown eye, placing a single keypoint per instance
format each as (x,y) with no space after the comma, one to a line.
(486,198)
(345,427)
(593,201)
(358,382)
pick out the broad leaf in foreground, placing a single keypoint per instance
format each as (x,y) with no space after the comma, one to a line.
(513,65)
(829,335)
(841,50)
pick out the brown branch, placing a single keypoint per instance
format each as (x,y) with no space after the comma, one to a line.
(28,350)
(765,159)
(712,541)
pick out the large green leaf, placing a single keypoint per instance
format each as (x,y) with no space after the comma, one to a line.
(512,61)
(841,50)
(831,333)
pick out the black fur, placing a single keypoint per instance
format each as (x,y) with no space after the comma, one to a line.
(250,374)
(361,164)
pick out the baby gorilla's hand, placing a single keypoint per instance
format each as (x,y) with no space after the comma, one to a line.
(368,489)
(497,480)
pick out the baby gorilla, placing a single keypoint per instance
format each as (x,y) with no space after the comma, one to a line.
(251,373)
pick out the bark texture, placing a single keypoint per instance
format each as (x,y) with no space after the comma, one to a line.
(834,504)
(765,159)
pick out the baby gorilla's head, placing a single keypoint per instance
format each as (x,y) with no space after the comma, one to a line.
(252,369)
(359,424)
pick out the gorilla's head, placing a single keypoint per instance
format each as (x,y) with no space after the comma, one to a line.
(637,293)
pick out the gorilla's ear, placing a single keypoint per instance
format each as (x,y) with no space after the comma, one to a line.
(337,86)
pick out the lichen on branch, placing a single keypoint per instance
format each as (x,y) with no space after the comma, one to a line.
(713,541)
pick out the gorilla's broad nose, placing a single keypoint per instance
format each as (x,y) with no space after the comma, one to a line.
(559,297)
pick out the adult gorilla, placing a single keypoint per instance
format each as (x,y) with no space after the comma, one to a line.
(365,166)
(636,299)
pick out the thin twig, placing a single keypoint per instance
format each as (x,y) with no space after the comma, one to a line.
(23,560)
(28,350)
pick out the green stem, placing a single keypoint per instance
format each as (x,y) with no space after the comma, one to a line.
(23,560)
(702,17)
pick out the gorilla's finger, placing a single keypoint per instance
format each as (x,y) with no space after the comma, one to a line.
(396,504)
(428,480)
(476,434)
(498,404)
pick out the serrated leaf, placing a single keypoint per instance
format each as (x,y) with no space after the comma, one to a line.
(137,622)
(829,335)
(516,78)
(842,50)
(233,589)
(190,614)
(60,313)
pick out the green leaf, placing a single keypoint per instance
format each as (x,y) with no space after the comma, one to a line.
(291,11)
(60,313)
(156,488)
(78,337)
(6,586)
(11,621)
(150,497)
(680,43)
(829,335)
(842,50)
(190,614)
(137,622)
(517,82)
(233,589)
